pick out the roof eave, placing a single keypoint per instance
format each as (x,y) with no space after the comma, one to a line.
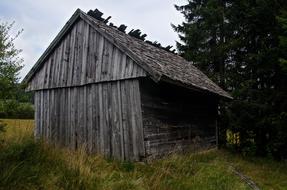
(224,95)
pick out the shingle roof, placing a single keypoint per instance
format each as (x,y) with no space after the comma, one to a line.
(159,63)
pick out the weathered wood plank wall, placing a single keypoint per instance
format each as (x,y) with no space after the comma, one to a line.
(87,93)
(176,119)
(105,118)
(84,56)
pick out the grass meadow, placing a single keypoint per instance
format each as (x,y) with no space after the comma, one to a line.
(26,164)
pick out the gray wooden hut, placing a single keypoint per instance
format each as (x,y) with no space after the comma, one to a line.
(98,87)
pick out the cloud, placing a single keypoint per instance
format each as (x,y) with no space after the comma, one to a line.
(42,20)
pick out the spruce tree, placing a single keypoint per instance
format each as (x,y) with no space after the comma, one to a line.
(242,45)
(203,36)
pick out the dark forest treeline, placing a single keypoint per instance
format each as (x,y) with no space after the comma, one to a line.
(242,45)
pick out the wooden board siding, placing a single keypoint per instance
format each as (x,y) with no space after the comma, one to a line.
(82,57)
(176,119)
(104,118)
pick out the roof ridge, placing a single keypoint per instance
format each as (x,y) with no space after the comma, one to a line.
(129,36)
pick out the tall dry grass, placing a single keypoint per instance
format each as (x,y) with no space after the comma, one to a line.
(26,164)
(17,131)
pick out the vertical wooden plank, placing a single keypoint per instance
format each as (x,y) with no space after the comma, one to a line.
(112,119)
(37,115)
(37,82)
(43,106)
(101,45)
(120,119)
(75,74)
(81,114)
(48,115)
(90,44)
(51,112)
(92,55)
(133,131)
(101,118)
(96,112)
(60,63)
(68,121)
(47,119)
(106,125)
(53,115)
(40,78)
(64,116)
(76,117)
(66,52)
(61,115)
(51,63)
(54,69)
(129,68)
(63,62)
(111,62)
(72,48)
(36,105)
(115,64)
(139,120)
(106,61)
(125,120)
(115,124)
(56,113)
(90,118)
(46,71)
(73,117)
(85,53)
(104,118)
(79,52)
(94,120)
(44,109)
(66,60)
(41,113)
(123,66)
(83,124)
(56,73)
(138,71)
(58,101)
(56,65)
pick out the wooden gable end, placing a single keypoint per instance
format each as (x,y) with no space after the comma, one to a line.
(84,56)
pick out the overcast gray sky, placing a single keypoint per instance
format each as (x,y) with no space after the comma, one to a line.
(43,19)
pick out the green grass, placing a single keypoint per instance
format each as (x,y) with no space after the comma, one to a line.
(25,164)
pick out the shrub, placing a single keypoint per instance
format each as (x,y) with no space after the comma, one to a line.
(15,109)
